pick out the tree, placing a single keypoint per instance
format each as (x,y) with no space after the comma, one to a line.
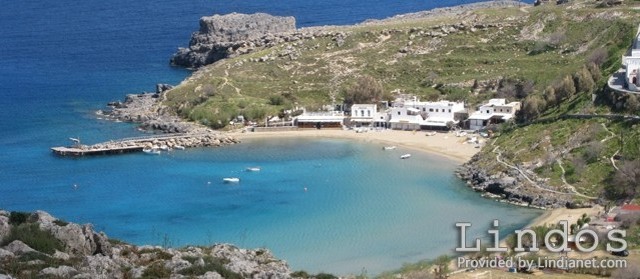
(565,89)
(532,107)
(507,90)
(366,90)
(550,96)
(524,88)
(598,56)
(632,105)
(594,69)
(626,181)
(583,81)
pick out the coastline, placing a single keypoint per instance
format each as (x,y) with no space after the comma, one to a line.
(442,144)
(553,216)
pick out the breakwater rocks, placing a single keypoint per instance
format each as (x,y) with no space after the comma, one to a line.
(167,142)
(510,186)
(38,245)
(223,36)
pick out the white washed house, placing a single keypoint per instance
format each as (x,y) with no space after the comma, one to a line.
(495,111)
(416,115)
(363,114)
(632,65)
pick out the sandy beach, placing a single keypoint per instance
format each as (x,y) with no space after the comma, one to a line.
(552,217)
(443,144)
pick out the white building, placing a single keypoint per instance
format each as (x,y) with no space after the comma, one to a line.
(363,114)
(416,115)
(632,65)
(323,119)
(495,111)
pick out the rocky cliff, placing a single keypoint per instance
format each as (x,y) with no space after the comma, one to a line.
(223,36)
(38,245)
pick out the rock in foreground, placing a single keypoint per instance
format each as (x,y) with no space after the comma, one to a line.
(39,245)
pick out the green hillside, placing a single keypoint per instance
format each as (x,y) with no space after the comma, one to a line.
(550,57)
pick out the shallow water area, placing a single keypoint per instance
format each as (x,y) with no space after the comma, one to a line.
(321,204)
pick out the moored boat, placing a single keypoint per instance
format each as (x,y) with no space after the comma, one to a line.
(405,156)
(253,169)
(152,151)
(231,180)
(389,147)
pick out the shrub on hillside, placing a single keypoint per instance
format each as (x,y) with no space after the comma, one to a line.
(366,90)
(34,237)
(17,217)
(583,81)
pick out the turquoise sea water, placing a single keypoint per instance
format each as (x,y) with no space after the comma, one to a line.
(364,208)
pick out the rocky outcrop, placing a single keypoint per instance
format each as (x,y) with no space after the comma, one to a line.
(510,186)
(147,109)
(90,254)
(223,36)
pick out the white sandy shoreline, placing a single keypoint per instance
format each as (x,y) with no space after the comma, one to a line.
(442,144)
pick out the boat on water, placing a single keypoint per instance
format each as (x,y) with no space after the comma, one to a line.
(405,156)
(253,169)
(164,148)
(152,151)
(231,180)
(389,147)
(179,147)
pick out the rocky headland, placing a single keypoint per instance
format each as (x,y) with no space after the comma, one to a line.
(38,245)
(147,110)
(223,36)
(517,186)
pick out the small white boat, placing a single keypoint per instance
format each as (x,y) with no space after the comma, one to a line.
(253,169)
(389,147)
(151,151)
(179,147)
(164,148)
(405,156)
(231,180)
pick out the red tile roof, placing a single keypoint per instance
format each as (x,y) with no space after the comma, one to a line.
(631,207)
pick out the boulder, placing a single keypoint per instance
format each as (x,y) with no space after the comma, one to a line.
(212,275)
(101,266)
(18,248)
(41,217)
(61,255)
(5,228)
(5,254)
(59,272)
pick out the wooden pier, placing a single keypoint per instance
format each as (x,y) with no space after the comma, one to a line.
(137,144)
(75,151)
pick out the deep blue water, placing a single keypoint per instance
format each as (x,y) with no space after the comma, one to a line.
(62,60)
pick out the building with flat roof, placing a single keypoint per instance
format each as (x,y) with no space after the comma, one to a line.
(417,115)
(493,112)
(322,119)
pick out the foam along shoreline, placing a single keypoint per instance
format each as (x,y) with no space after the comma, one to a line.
(442,144)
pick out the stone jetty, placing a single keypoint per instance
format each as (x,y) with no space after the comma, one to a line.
(157,143)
